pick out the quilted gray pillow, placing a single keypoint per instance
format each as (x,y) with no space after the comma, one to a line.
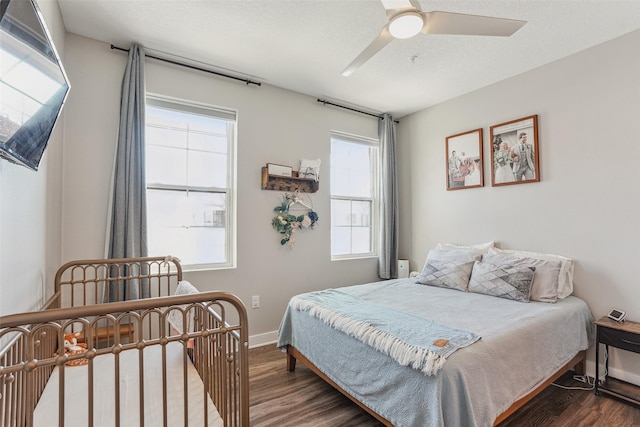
(448,269)
(545,282)
(504,281)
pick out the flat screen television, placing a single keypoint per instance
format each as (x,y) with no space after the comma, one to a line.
(33,84)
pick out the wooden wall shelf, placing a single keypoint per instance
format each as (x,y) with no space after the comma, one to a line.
(281,183)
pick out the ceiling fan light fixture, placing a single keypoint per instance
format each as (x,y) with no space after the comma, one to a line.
(406,25)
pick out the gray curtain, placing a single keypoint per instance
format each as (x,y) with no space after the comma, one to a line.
(128,228)
(388,259)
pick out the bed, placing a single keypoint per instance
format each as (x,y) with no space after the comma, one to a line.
(514,349)
(174,358)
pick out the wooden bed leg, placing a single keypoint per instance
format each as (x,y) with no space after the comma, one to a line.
(291,360)
(579,369)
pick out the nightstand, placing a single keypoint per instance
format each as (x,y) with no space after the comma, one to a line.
(625,336)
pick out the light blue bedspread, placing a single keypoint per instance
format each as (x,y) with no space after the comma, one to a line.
(410,340)
(522,344)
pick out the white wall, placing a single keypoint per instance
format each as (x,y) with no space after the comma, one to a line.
(586,205)
(274,125)
(30,213)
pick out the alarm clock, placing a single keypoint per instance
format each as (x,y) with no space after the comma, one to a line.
(617,315)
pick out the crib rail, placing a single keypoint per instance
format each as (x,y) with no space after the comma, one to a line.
(87,282)
(96,281)
(216,343)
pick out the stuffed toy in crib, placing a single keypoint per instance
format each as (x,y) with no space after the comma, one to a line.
(71,346)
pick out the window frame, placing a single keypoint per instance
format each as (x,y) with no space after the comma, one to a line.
(374,199)
(194,107)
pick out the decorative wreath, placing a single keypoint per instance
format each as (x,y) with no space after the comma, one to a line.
(286,223)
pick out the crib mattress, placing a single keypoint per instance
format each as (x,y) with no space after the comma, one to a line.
(76,387)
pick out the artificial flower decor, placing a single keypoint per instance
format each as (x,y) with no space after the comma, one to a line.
(286,223)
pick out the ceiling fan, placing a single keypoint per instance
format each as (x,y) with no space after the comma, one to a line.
(407,20)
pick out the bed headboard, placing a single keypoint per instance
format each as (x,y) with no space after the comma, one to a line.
(84,282)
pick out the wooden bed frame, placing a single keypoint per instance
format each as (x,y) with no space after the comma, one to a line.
(216,343)
(577,363)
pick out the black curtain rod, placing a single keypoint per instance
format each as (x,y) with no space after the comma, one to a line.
(193,67)
(325,102)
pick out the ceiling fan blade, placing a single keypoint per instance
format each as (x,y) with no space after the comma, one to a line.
(381,41)
(395,7)
(415,4)
(397,4)
(469,25)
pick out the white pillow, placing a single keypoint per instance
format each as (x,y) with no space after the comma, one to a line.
(481,248)
(174,317)
(565,278)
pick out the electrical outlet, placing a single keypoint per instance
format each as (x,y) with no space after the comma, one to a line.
(255,301)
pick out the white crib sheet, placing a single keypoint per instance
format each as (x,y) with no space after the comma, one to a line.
(76,386)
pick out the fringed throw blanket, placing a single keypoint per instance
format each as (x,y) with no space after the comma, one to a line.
(410,340)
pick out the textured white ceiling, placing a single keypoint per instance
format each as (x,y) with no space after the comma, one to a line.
(303,45)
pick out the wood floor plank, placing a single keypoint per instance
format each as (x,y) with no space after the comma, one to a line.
(301,399)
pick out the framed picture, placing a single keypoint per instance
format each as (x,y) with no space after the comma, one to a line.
(464,160)
(515,157)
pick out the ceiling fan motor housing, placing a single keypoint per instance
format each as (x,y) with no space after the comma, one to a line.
(406,25)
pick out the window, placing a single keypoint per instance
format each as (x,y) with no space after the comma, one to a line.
(190,166)
(354,189)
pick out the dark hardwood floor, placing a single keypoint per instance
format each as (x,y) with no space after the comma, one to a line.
(300,398)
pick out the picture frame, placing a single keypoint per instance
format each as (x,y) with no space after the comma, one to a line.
(464,164)
(515,155)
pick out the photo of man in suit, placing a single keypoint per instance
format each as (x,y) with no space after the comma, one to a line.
(523,159)
(454,170)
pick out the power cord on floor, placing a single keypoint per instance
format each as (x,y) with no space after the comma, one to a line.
(586,379)
(581,378)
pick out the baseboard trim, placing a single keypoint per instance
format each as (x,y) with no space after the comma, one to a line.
(614,372)
(263,339)
(624,376)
